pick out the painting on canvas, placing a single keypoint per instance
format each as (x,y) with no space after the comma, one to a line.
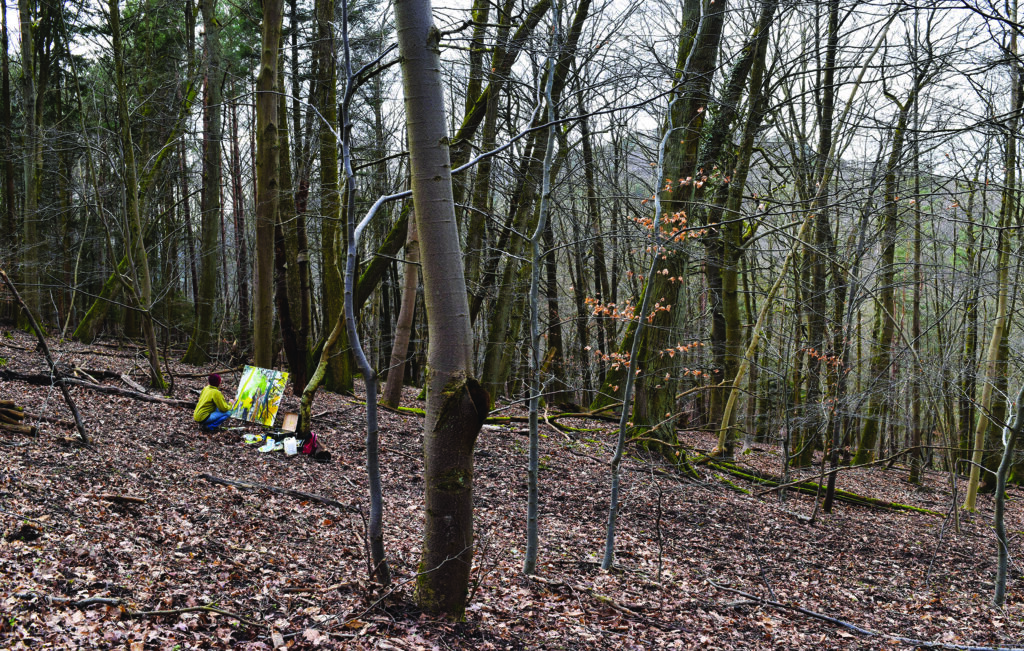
(259,395)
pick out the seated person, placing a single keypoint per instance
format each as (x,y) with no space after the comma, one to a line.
(212,409)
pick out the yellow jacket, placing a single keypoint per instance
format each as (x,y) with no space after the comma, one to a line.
(211,398)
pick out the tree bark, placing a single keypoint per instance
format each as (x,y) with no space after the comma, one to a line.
(267,182)
(392,394)
(997,345)
(6,143)
(287,281)
(340,370)
(198,349)
(241,243)
(30,162)
(884,326)
(456,404)
(138,260)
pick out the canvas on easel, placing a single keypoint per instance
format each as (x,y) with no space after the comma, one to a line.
(259,395)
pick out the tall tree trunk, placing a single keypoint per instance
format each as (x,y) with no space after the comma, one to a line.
(915,325)
(969,357)
(142,293)
(559,392)
(31,163)
(996,350)
(605,327)
(340,371)
(456,404)
(525,214)
(287,283)
(726,248)
(241,242)
(392,394)
(884,327)
(476,230)
(6,143)
(695,62)
(267,163)
(198,348)
(501,67)
(533,464)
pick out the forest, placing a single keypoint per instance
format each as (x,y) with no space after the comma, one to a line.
(752,263)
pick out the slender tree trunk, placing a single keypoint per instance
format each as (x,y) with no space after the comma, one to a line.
(605,328)
(288,290)
(884,327)
(498,348)
(1010,434)
(695,63)
(456,404)
(476,231)
(392,395)
(533,464)
(138,266)
(198,348)
(241,242)
(915,326)
(968,360)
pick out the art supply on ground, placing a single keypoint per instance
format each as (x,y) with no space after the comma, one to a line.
(271,446)
(290,421)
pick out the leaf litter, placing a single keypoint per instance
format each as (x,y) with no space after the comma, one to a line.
(198,565)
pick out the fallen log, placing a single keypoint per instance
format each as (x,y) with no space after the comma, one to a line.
(505,420)
(111,497)
(11,416)
(10,345)
(28,430)
(42,379)
(289,492)
(222,371)
(132,383)
(813,488)
(101,373)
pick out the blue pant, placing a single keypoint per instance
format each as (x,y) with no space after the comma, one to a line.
(214,420)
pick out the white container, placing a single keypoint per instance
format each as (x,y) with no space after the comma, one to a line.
(290,448)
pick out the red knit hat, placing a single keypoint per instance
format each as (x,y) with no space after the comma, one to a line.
(214,380)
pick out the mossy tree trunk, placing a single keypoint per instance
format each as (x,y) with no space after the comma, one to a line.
(499,344)
(680,161)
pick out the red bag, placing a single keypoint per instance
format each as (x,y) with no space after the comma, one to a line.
(311,445)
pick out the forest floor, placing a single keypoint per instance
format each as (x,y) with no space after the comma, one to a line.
(292,572)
